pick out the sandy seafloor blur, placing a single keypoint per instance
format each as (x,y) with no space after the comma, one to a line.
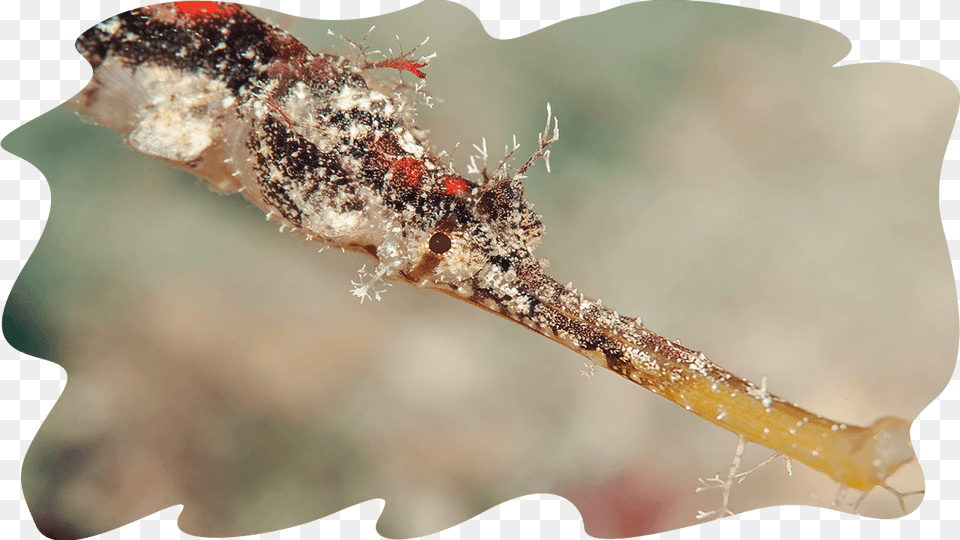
(715,176)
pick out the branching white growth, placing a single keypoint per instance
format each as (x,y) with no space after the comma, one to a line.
(854,505)
(725,485)
(900,496)
(542,143)
(508,152)
(472,166)
(483,155)
(789,464)
(364,288)
(427,98)
(590,371)
(761,393)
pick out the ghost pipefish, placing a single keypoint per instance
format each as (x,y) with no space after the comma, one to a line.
(330,151)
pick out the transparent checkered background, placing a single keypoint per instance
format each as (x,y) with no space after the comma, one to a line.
(39,69)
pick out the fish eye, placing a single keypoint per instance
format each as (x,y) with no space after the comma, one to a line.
(439,243)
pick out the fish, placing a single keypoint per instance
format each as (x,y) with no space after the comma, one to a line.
(328,148)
